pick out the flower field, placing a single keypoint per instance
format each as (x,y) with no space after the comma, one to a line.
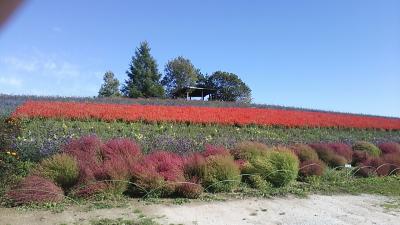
(201,115)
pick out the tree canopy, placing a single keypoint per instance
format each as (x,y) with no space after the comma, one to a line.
(110,87)
(229,87)
(179,73)
(143,75)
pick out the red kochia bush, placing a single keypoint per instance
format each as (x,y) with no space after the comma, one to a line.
(311,168)
(87,151)
(215,150)
(159,173)
(120,155)
(393,160)
(35,189)
(389,147)
(343,150)
(191,189)
(328,155)
(89,189)
(359,157)
(110,162)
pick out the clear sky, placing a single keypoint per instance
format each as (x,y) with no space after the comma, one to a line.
(341,55)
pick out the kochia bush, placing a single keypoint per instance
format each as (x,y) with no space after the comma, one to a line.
(368,147)
(35,189)
(220,174)
(389,147)
(328,155)
(61,168)
(312,168)
(284,167)
(277,166)
(305,152)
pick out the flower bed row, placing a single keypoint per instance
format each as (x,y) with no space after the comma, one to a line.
(201,115)
(87,167)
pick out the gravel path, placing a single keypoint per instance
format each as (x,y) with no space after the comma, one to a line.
(316,209)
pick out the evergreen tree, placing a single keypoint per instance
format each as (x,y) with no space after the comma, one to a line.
(143,76)
(179,73)
(110,87)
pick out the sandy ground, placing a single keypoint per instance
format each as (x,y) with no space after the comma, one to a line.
(316,209)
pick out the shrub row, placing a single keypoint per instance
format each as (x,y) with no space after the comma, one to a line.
(88,166)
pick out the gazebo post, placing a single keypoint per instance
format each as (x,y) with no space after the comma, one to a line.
(187,95)
(202,95)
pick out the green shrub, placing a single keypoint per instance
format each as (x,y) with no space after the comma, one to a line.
(284,167)
(305,152)
(249,150)
(221,174)
(277,166)
(258,182)
(368,147)
(61,168)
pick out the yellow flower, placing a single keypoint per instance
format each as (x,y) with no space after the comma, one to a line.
(8,153)
(13,153)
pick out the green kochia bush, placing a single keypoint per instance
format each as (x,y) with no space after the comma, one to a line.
(284,167)
(278,166)
(368,147)
(60,168)
(220,173)
(305,152)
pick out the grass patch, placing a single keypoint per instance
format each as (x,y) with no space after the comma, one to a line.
(44,137)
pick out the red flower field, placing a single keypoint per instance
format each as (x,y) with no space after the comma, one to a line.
(202,115)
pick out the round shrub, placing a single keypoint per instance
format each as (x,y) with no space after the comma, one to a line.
(61,168)
(305,152)
(210,150)
(157,175)
(359,157)
(368,147)
(393,160)
(389,147)
(312,168)
(90,189)
(327,155)
(87,150)
(343,150)
(35,189)
(284,167)
(220,174)
(248,150)
(189,190)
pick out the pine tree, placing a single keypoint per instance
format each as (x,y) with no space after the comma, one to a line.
(143,76)
(110,87)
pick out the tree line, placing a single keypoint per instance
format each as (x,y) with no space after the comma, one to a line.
(145,81)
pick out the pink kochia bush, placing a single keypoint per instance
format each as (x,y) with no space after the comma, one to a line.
(106,164)
(158,174)
(328,155)
(35,189)
(389,148)
(343,150)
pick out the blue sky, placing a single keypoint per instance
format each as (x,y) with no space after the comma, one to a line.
(341,55)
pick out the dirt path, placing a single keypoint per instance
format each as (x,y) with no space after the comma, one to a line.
(316,209)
